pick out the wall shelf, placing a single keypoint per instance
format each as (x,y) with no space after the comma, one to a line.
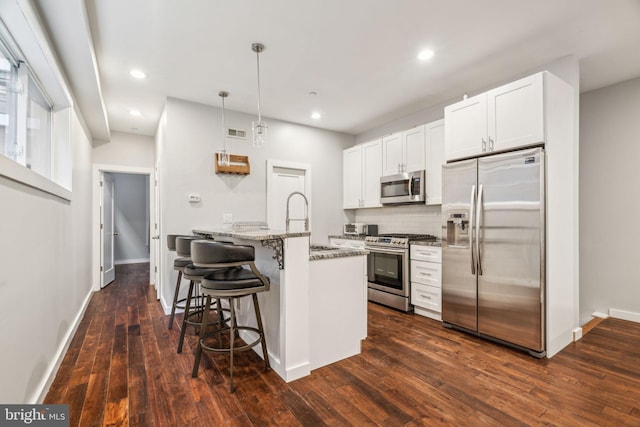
(239,165)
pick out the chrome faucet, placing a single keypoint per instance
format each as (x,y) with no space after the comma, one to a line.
(306,211)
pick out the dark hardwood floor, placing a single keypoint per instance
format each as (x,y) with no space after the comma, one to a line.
(122,369)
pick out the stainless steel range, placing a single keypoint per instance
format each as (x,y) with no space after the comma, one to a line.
(388,268)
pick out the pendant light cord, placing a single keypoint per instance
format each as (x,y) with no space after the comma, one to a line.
(259,100)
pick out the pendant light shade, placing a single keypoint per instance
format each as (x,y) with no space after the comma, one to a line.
(259,127)
(223,155)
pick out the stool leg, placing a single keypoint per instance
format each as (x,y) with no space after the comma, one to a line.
(196,363)
(187,309)
(232,336)
(263,341)
(175,299)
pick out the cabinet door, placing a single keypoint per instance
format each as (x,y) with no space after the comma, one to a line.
(465,127)
(516,114)
(371,173)
(434,149)
(352,177)
(392,154)
(413,147)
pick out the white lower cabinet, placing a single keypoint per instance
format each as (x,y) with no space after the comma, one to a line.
(426,280)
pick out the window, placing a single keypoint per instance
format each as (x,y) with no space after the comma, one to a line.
(35,105)
(26,117)
(8,79)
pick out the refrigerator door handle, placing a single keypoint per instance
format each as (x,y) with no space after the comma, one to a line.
(472,203)
(478,221)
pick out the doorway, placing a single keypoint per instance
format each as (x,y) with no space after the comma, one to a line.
(124,221)
(284,178)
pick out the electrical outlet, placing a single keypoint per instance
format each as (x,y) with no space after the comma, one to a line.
(227,218)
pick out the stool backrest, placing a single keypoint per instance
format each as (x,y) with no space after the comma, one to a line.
(183,245)
(207,253)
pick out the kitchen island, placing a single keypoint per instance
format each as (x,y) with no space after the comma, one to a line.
(315,311)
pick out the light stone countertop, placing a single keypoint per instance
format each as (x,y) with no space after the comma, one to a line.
(258,235)
(436,243)
(317,252)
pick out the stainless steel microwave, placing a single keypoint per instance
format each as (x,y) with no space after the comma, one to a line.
(403,188)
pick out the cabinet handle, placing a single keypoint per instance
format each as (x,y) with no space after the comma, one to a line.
(490,144)
(425,296)
(484,145)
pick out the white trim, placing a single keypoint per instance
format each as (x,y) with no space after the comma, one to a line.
(18,173)
(577,334)
(95,213)
(43,388)
(624,315)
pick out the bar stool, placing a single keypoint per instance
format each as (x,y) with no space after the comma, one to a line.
(195,302)
(182,246)
(232,284)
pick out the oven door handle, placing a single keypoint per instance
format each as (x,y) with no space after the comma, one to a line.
(386,250)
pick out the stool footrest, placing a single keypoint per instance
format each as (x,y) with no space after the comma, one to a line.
(228,349)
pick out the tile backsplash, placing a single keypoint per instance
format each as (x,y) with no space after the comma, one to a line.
(420,219)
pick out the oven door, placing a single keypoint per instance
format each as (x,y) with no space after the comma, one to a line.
(387,270)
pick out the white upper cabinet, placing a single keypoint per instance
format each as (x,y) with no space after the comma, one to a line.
(362,168)
(515,114)
(504,118)
(372,171)
(434,148)
(466,127)
(403,151)
(392,159)
(352,177)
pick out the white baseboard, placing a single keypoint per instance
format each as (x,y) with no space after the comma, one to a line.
(599,314)
(43,388)
(577,334)
(131,261)
(624,315)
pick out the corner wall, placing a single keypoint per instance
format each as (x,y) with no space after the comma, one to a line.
(45,278)
(610,200)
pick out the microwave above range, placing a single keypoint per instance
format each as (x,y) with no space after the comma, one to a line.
(360,229)
(403,188)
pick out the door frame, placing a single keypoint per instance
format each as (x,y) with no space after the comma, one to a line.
(271,164)
(95,223)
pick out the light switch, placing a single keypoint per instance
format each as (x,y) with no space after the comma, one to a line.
(227,218)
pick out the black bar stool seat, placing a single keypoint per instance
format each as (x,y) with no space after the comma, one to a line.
(235,281)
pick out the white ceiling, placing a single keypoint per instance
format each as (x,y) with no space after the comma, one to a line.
(359,55)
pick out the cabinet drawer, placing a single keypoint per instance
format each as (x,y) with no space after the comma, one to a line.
(426,253)
(428,273)
(426,296)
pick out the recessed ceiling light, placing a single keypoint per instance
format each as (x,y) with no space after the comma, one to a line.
(138,74)
(316,116)
(425,55)
(136,113)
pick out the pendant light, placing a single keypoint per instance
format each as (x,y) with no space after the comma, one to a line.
(223,155)
(259,127)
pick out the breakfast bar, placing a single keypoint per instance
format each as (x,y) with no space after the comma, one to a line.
(315,311)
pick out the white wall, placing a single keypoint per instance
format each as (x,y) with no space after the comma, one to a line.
(126,149)
(131,217)
(45,275)
(610,200)
(190,134)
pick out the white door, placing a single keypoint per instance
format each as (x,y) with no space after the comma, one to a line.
(284,180)
(107,233)
(157,240)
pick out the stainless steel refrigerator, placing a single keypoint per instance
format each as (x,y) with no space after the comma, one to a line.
(493,248)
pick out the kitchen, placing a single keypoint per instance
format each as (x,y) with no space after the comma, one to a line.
(187,171)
